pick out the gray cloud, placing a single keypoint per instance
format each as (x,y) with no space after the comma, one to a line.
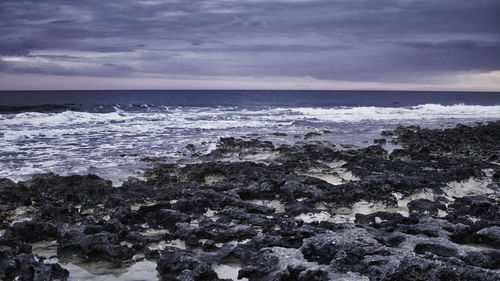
(388,40)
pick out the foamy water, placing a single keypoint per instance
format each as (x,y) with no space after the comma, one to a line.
(112,144)
(425,111)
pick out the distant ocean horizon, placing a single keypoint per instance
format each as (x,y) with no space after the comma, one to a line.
(108,132)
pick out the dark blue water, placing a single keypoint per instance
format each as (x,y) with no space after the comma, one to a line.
(100,101)
(109,132)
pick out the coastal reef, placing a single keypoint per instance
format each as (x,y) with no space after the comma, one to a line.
(249,210)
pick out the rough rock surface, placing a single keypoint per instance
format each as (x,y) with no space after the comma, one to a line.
(429,210)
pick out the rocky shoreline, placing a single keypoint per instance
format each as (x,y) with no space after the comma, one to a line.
(429,210)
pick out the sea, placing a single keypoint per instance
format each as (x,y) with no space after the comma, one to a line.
(113,134)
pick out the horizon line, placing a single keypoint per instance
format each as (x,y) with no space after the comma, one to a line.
(257,90)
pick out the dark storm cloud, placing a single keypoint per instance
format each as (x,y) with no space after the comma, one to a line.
(388,40)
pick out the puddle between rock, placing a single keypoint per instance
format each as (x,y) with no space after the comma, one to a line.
(348,215)
(46,249)
(177,243)
(154,232)
(20,214)
(101,270)
(209,179)
(136,207)
(468,187)
(262,157)
(476,245)
(334,175)
(211,214)
(228,271)
(276,204)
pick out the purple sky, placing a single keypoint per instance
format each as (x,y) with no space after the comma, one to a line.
(250,44)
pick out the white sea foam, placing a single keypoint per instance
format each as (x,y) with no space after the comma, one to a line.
(111,144)
(425,111)
(211,118)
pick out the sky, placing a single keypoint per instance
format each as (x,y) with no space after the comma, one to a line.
(250,44)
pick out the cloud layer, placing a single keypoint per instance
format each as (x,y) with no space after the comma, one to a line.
(391,41)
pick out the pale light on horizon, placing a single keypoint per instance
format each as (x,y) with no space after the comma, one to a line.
(489,82)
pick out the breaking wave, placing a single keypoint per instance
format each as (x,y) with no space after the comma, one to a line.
(425,111)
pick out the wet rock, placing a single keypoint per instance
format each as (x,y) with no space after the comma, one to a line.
(18,263)
(259,265)
(425,207)
(57,211)
(426,226)
(391,239)
(311,135)
(379,218)
(166,218)
(226,209)
(191,147)
(479,207)
(278,134)
(30,232)
(11,194)
(436,249)
(209,246)
(490,235)
(176,264)
(416,268)
(489,259)
(234,144)
(30,269)
(346,248)
(300,273)
(100,246)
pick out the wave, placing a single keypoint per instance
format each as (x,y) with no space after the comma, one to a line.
(230,117)
(425,111)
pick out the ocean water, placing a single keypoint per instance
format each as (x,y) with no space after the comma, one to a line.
(109,133)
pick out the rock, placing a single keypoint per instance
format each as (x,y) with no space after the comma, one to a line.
(416,268)
(258,265)
(426,226)
(489,259)
(436,249)
(346,248)
(30,232)
(176,264)
(18,263)
(490,235)
(166,218)
(222,208)
(278,134)
(101,246)
(425,207)
(191,147)
(300,273)
(311,135)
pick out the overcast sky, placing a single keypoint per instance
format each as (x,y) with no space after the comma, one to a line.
(273,44)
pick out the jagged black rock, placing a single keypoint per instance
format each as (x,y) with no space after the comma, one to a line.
(227,208)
